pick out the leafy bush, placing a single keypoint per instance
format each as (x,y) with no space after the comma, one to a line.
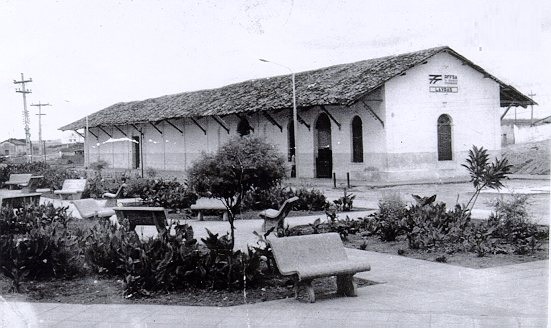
(387,222)
(309,199)
(257,199)
(53,176)
(161,192)
(511,224)
(22,220)
(37,244)
(429,225)
(345,202)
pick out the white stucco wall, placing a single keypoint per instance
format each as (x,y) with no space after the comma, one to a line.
(412,112)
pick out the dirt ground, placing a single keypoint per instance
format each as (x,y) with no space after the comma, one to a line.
(529,158)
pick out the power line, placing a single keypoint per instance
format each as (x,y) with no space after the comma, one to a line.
(26,120)
(41,146)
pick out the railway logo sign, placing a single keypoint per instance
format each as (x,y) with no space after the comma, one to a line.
(443,83)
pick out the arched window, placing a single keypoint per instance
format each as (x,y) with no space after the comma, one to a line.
(357,140)
(444,138)
(243,127)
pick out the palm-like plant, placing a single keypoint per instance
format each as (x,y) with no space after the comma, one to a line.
(483,173)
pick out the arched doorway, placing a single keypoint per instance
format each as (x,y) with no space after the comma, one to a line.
(444,138)
(322,140)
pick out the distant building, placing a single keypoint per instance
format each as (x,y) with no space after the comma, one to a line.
(402,117)
(13,147)
(515,131)
(71,137)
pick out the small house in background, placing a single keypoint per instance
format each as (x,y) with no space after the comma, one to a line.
(13,147)
(401,117)
(522,130)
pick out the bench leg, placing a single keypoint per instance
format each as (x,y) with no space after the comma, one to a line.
(225,216)
(346,285)
(309,290)
(200,216)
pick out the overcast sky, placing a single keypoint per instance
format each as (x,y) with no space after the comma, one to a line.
(86,55)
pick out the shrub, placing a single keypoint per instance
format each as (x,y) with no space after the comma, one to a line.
(237,167)
(428,225)
(53,176)
(22,220)
(37,244)
(160,192)
(345,202)
(387,222)
(310,200)
(511,224)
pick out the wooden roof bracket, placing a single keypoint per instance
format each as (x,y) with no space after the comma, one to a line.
(330,116)
(198,125)
(506,111)
(121,131)
(220,121)
(273,121)
(156,128)
(174,126)
(370,110)
(139,130)
(92,133)
(301,120)
(78,133)
(107,133)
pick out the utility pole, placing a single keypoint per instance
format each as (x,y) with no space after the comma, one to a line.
(531,94)
(39,105)
(26,120)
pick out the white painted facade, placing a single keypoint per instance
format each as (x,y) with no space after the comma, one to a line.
(405,148)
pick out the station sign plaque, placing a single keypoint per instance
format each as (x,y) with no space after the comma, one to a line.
(443,83)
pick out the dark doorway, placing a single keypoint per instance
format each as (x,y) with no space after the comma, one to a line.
(444,138)
(324,154)
(136,152)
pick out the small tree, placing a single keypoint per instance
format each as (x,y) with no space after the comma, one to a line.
(238,166)
(483,173)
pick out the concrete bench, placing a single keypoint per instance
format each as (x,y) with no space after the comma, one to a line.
(314,256)
(209,204)
(142,216)
(18,180)
(33,184)
(112,198)
(273,217)
(71,189)
(89,208)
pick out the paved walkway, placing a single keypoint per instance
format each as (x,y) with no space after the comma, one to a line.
(411,293)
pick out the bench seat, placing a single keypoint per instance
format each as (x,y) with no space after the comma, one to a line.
(89,208)
(314,256)
(18,180)
(71,189)
(209,204)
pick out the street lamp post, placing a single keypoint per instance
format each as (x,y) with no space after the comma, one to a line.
(295,113)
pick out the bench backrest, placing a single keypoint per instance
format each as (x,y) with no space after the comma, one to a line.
(20,178)
(74,185)
(292,253)
(287,206)
(86,207)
